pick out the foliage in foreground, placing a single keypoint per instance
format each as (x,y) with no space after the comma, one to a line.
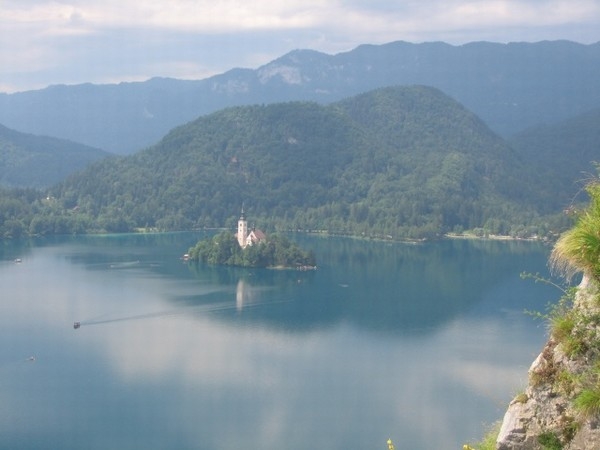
(578,249)
(588,400)
(574,328)
(489,440)
(277,251)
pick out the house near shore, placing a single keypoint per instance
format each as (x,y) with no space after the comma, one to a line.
(245,237)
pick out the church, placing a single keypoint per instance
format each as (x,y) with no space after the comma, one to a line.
(246,238)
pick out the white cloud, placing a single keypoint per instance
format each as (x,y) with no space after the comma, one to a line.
(375,17)
(459,20)
(519,12)
(227,16)
(206,16)
(58,41)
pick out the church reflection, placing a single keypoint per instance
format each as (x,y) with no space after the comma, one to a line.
(244,295)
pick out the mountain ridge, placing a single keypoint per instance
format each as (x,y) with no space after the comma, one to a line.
(510,86)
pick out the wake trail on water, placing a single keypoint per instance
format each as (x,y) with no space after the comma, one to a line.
(215,307)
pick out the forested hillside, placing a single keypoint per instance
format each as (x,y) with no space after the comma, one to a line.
(510,86)
(40,161)
(402,162)
(563,153)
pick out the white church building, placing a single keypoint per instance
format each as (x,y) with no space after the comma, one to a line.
(245,238)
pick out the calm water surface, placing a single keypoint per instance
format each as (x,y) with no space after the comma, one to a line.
(424,344)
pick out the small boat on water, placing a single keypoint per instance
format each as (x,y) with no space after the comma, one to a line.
(76,325)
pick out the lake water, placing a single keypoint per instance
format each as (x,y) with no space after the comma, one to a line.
(423,344)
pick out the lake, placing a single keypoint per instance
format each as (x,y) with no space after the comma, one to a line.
(424,344)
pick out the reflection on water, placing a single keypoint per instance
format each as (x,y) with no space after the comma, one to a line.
(245,295)
(421,343)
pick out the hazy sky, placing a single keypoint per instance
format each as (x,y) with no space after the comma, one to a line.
(108,41)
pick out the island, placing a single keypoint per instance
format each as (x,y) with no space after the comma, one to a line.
(251,249)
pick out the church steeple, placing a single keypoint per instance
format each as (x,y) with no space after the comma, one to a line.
(242,232)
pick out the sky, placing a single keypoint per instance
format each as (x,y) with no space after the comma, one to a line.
(45,43)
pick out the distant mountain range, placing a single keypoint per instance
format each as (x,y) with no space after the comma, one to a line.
(510,86)
(27,160)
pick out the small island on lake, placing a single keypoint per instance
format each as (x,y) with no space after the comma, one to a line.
(251,249)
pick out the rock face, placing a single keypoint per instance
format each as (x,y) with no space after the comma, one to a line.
(545,415)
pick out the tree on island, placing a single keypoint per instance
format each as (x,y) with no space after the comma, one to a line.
(276,251)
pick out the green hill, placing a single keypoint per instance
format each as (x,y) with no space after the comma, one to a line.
(40,161)
(401,162)
(563,153)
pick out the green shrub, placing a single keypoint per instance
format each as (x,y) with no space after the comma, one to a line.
(567,381)
(587,402)
(562,326)
(549,441)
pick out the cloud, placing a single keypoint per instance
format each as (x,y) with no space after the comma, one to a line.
(525,13)
(233,16)
(191,15)
(74,41)
(459,21)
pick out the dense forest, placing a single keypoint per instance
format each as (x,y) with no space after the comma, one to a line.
(27,160)
(563,153)
(398,162)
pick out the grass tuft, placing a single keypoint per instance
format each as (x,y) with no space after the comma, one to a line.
(587,402)
(550,441)
(489,440)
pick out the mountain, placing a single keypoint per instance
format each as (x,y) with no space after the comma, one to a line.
(510,86)
(396,162)
(40,161)
(562,152)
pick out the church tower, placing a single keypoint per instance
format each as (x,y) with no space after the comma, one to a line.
(242,232)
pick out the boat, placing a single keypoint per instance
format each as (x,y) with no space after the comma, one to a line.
(76,325)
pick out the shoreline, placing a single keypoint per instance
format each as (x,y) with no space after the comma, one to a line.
(492,237)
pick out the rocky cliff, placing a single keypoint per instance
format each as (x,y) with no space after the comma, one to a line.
(560,408)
